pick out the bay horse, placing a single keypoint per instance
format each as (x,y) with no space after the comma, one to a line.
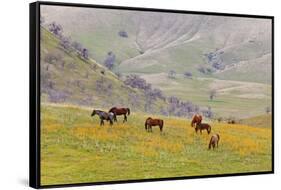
(153,122)
(120,111)
(103,116)
(203,126)
(197,118)
(214,141)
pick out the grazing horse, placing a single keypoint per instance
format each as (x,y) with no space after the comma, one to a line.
(196,119)
(153,122)
(203,126)
(103,116)
(214,141)
(120,111)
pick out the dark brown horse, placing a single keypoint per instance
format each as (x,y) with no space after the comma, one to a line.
(203,126)
(214,141)
(120,111)
(196,119)
(153,122)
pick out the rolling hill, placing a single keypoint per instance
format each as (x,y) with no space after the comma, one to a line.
(67,78)
(231,55)
(171,41)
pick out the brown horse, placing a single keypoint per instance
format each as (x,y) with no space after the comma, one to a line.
(120,111)
(214,141)
(153,122)
(196,119)
(203,126)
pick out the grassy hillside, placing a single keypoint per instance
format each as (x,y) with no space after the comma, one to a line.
(264,121)
(158,42)
(67,78)
(233,98)
(75,149)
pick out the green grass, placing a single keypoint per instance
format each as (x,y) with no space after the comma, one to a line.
(75,149)
(233,98)
(259,121)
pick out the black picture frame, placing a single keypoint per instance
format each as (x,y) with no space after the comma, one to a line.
(34,98)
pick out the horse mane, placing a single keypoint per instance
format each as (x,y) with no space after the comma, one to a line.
(111,110)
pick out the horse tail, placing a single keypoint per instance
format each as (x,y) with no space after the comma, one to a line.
(128,110)
(161,124)
(218,137)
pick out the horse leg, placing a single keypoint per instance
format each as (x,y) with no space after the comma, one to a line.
(115,117)
(101,122)
(201,131)
(125,118)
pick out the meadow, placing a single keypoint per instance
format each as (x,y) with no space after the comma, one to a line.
(75,149)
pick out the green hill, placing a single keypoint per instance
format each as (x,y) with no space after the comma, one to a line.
(68,78)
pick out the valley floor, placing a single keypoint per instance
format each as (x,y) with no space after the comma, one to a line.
(75,149)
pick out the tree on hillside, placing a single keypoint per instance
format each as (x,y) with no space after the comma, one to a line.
(85,53)
(187,74)
(172,74)
(65,43)
(56,29)
(123,34)
(212,94)
(135,81)
(110,60)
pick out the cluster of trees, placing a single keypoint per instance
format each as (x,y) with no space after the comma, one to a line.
(174,106)
(123,34)
(66,41)
(187,74)
(151,94)
(180,108)
(215,60)
(172,74)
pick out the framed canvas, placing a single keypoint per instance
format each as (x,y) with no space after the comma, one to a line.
(123,94)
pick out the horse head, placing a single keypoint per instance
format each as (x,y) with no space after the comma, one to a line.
(93,113)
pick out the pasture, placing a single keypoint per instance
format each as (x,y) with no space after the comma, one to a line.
(75,149)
